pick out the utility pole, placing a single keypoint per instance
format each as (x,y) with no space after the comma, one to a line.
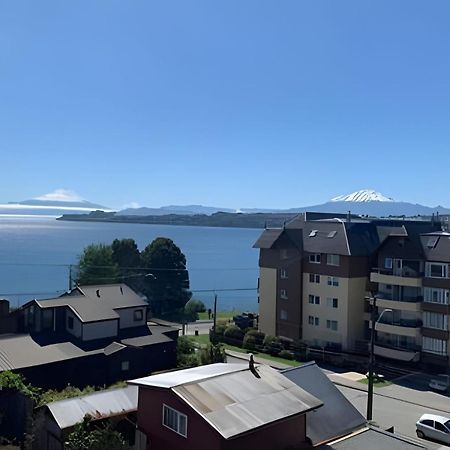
(215,315)
(371,360)
(70,277)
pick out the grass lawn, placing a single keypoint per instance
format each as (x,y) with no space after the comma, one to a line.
(203,339)
(377,382)
(220,315)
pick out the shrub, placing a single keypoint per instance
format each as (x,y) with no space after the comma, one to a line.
(272,345)
(212,354)
(192,308)
(186,356)
(253,340)
(286,354)
(233,335)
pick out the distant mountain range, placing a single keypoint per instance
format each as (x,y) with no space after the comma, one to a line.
(363,202)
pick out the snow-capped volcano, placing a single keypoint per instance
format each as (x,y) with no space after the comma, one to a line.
(364,195)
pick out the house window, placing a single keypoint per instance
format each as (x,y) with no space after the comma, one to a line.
(388,263)
(125,365)
(432,345)
(314,299)
(436,270)
(316,321)
(436,295)
(283,314)
(332,260)
(138,315)
(70,323)
(175,420)
(333,281)
(314,278)
(314,258)
(283,273)
(435,320)
(332,325)
(332,302)
(283,294)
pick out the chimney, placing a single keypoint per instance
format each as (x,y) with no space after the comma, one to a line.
(251,366)
(432,219)
(98,293)
(349,216)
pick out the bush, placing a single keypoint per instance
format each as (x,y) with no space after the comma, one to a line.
(253,340)
(220,329)
(233,335)
(212,354)
(272,345)
(186,356)
(192,308)
(286,354)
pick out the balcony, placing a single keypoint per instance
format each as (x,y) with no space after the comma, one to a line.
(402,327)
(400,354)
(405,277)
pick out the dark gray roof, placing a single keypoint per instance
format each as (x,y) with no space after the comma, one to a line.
(90,307)
(337,417)
(373,439)
(268,238)
(436,246)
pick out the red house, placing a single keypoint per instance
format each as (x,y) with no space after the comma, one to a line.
(222,406)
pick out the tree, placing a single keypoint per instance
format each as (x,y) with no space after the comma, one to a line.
(192,308)
(126,255)
(96,266)
(168,288)
(212,353)
(186,356)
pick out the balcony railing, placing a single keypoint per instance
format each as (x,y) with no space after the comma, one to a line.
(409,323)
(393,346)
(407,272)
(399,298)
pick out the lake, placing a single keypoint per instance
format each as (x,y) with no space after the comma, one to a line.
(36,252)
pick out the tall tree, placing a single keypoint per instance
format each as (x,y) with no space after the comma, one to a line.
(96,266)
(126,256)
(167,283)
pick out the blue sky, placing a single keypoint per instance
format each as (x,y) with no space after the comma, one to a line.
(236,103)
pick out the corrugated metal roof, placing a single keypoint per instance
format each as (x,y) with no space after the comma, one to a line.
(337,417)
(232,399)
(99,405)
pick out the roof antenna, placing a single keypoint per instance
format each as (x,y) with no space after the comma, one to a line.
(251,366)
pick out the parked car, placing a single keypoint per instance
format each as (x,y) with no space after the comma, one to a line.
(434,427)
(440,383)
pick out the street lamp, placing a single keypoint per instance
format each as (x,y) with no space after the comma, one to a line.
(371,360)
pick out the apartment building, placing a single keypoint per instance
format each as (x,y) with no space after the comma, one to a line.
(318,271)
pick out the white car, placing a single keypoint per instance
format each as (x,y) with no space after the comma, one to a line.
(440,383)
(434,427)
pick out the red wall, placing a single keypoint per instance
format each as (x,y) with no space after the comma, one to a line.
(200,435)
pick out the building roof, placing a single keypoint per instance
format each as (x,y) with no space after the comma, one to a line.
(232,399)
(99,405)
(94,303)
(436,246)
(268,238)
(19,351)
(337,417)
(374,439)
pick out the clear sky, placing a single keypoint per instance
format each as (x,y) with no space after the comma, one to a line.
(236,103)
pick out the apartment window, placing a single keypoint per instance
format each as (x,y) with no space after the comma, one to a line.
(283,273)
(432,345)
(313,321)
(138,315)
(332,260)
(333,281)
(314,299)
(314,258)
(436,270)
(435,320)
(388,263)
(332,302)
(314,278)
(283,253)
(316,321)
(70,323)
(436,295)
(125,365)
(175,420)
(283,294)
(332,325)
(283,314)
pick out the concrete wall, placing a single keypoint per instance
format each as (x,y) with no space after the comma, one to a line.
(267,300)
(127,317)
(99,330)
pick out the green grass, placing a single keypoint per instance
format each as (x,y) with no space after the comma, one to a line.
(203,339)
(220,315)
(378,382)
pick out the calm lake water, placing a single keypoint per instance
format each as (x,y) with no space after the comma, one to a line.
(35,253)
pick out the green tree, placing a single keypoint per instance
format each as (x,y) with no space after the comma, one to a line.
(192,308)
(212,353)
(126,255)
(87,436)
(96,266)
(167,289)
(186,356)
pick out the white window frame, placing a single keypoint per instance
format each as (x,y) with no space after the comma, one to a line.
(435,320)
(331,301)
(436,346)
(444,269)
(178,416)
(283,274)
(314,278)
(283,294)
(436,295)
(313,299)
(333,281)
(333,259)
(315,258)
(332,325)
